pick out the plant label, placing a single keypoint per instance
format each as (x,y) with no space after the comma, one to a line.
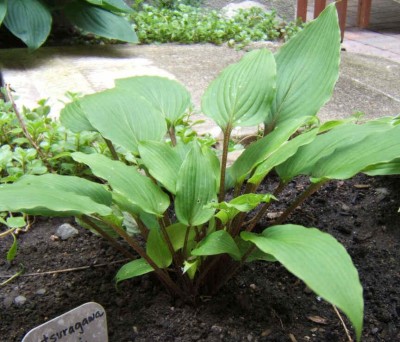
(86,323)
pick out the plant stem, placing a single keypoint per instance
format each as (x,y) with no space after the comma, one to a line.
(252,223)
(227,134)
(299,200)
(25,130)
(163,275)
(172,135)
(111,240)
(111,147)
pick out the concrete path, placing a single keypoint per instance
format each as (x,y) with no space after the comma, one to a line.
(367,84)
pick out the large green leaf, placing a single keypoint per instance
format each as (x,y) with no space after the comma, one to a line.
(162,161)
(320,261)
(260,150)
(124,119)
(169,97)
(157,249)
(219,242)
(243,92)
(307,68)
(324,145)
(195,188)
(53,195)
(347,161)
(127,181)
(74,118)
(97,192)
(29,20)
(279,156)
(3,10)
(133,269)
(99,21)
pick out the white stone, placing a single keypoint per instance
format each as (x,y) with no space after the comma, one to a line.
(232,9)
(66,231)
(20,300)
(85,323)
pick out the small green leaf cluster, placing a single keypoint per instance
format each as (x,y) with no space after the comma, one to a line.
(186,24)
(17,155)
(31,20)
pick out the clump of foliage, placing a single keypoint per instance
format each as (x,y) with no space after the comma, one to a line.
(188,232)
(31,20)
(186,24)
(33,143)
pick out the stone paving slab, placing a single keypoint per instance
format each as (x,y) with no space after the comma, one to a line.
(366,83)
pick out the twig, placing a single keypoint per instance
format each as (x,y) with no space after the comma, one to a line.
(65,270)
(25,130)
(11,278)
(344,324)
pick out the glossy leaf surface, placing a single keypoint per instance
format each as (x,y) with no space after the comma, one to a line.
(307,68)
(29,20)
(99,21)
(168,97)
(243,92)
(127,181)
(196,187)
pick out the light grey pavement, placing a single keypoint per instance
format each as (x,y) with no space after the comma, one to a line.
(368,84)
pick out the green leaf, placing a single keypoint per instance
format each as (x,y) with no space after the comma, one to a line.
(97,192)
(123,118)
(162,161)
(74,118)
(195,188)
(157,249)
(326,144)
(29,20)
(284,152)
(177,234)
(16,222)
(12,252)
(116,6)
(53,199)
(219,242)
(3,10)
(133,269)
(243,92)
(169,97)
(260,150)
(307,68)
(384,169)
(127,181)
(99,21)
(243,203)
(347,161)
(320,261)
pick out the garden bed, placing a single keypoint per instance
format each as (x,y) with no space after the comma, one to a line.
(263,302)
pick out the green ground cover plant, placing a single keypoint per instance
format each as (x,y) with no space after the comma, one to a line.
(31,20)
(188,24)
(190,210)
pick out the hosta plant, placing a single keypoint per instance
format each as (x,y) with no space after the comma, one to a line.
(31,20)
(191,211)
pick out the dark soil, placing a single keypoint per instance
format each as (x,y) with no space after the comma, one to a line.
(263,302)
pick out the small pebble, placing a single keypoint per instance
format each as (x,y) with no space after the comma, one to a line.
(41,292)
(216,329)
(66,231)
(20,300)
